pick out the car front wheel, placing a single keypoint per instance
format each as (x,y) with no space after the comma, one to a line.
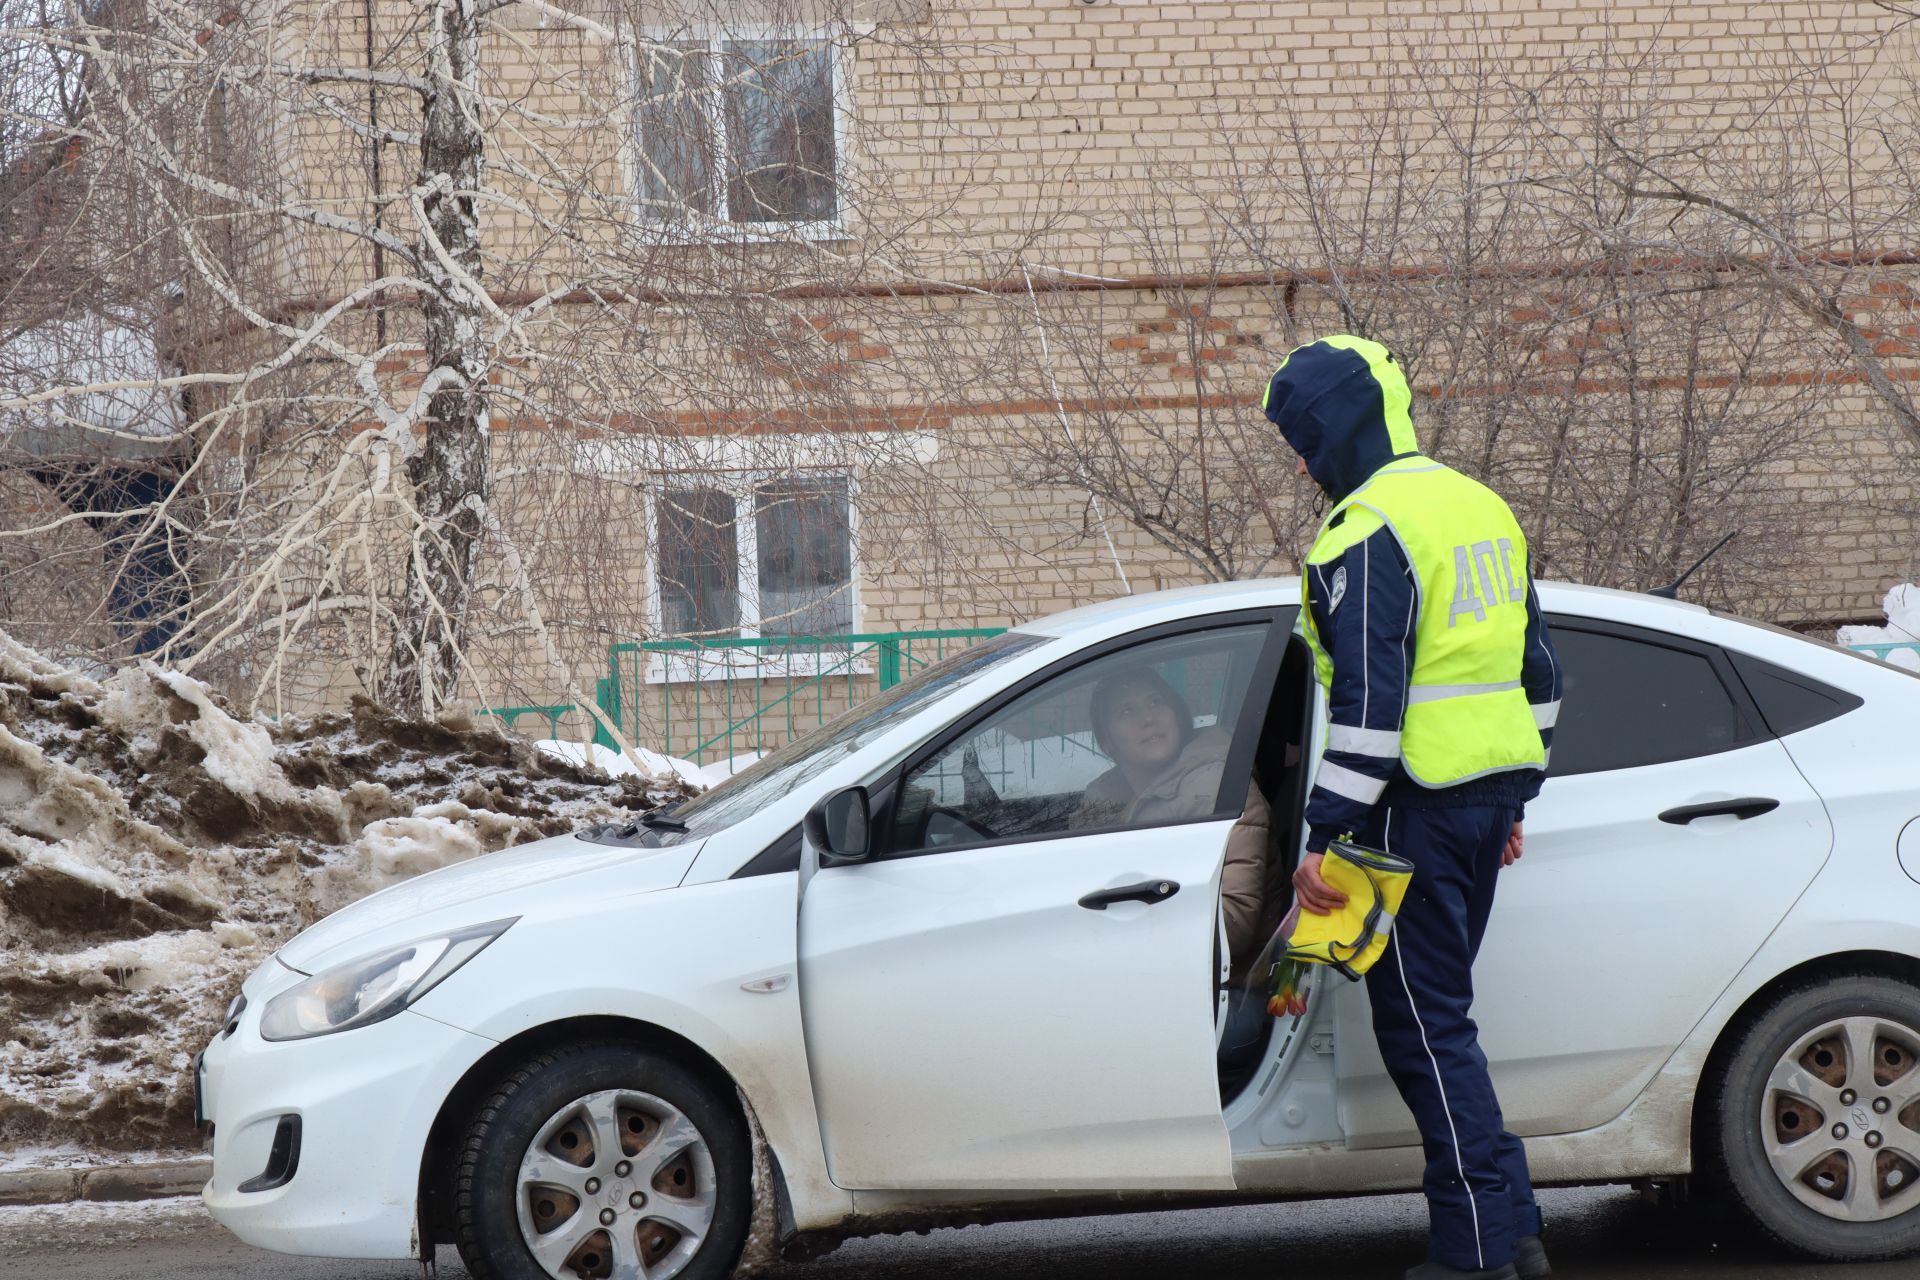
(603,1162)
(1818,1118)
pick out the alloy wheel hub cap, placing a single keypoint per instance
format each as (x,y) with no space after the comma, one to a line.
(616,1185)
(1840,1119)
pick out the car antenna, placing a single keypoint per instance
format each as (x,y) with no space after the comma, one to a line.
(1672,590)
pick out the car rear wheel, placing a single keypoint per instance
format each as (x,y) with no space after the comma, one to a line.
(1818,1118)
(603,1162)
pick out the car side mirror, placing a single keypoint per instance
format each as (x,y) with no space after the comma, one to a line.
(841,827)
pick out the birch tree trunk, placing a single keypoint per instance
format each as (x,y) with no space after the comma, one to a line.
(448,473)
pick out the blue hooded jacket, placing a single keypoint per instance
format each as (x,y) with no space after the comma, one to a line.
(1344,408)
(1343,405)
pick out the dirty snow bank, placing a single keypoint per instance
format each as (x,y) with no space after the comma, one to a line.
(154,849)
(1902,607)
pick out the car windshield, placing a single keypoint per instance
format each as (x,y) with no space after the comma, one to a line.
(780,772)
(1862,656)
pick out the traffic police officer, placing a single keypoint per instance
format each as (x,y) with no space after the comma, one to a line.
(1442,687)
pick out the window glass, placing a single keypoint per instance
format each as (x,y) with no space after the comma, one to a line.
(779,125)
(699,562)
(677,137)
(1135,738)
(805,551)
(1626,702)
(1788,700)
(803,759)
(742,130)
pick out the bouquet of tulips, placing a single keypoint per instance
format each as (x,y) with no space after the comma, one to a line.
(1287,979)
(1288,985)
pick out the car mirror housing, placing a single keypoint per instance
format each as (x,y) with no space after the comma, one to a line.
(840,827)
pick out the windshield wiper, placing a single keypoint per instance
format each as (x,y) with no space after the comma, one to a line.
(653,822)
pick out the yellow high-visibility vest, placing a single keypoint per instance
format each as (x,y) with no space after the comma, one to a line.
(1466,715)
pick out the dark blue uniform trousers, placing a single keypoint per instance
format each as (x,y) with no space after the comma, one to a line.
(1479,1197)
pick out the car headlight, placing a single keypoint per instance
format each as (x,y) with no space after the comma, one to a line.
(373,987)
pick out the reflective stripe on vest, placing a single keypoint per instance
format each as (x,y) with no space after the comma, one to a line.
(1441,692)
(1467,714)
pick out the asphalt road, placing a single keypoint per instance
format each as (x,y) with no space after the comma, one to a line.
(1602,1232)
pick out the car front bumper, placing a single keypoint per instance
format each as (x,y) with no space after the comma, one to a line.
(361,1104)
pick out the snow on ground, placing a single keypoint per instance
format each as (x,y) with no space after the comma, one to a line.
(93,1225)
(154,849)
(1902,607)
(71,1155)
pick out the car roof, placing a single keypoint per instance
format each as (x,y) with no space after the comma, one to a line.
(1125,613)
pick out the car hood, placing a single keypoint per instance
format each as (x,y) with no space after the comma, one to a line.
(513,882)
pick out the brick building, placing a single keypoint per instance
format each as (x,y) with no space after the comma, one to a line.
(891,315)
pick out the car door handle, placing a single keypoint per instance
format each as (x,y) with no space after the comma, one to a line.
(1744,808)
(1147,891)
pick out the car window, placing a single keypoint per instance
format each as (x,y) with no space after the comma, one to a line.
(1789,701)
(803,759)
(1135,738)
(1627,702)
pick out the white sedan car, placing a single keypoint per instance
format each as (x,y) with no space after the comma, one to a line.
(933,965)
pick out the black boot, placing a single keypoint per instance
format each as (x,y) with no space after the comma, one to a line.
(1530,1259)
(1431,1270)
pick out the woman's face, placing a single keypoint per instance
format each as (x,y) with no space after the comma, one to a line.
(1142,729)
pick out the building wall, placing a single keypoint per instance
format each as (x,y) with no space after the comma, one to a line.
(1124,181)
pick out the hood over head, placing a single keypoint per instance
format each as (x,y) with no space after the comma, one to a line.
(1344,406)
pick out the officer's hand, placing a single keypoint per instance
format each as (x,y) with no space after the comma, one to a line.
(1515,847)
(1313,893)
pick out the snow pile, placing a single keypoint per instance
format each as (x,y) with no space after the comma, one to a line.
(721,770)
(639,762)
(154,849)
(1902,607)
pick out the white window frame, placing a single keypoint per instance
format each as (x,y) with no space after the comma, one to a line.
(691,228)
(751,663)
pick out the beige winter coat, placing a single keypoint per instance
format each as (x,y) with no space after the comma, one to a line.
(1187,789)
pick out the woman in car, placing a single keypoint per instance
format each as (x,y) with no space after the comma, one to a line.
(1165,770)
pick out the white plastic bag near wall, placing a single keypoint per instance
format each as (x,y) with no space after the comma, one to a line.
(1902,607)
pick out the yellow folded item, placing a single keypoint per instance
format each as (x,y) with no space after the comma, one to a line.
(1353,937)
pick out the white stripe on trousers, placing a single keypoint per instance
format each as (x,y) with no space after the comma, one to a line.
(1459,1163)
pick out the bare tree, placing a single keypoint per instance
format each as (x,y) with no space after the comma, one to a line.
(1145,409)
(1808,195)
(1638,305)
(487,336)
(462,289)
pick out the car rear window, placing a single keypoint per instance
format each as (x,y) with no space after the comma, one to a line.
(1627,702)
(1788,700)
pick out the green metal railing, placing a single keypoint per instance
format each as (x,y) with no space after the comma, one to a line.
(1883,650)
(712,700)
(507,715)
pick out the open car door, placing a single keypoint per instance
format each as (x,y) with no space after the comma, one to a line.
(1016,988)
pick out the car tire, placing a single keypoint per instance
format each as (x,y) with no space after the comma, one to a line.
(540,1191)
(1815,1118)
